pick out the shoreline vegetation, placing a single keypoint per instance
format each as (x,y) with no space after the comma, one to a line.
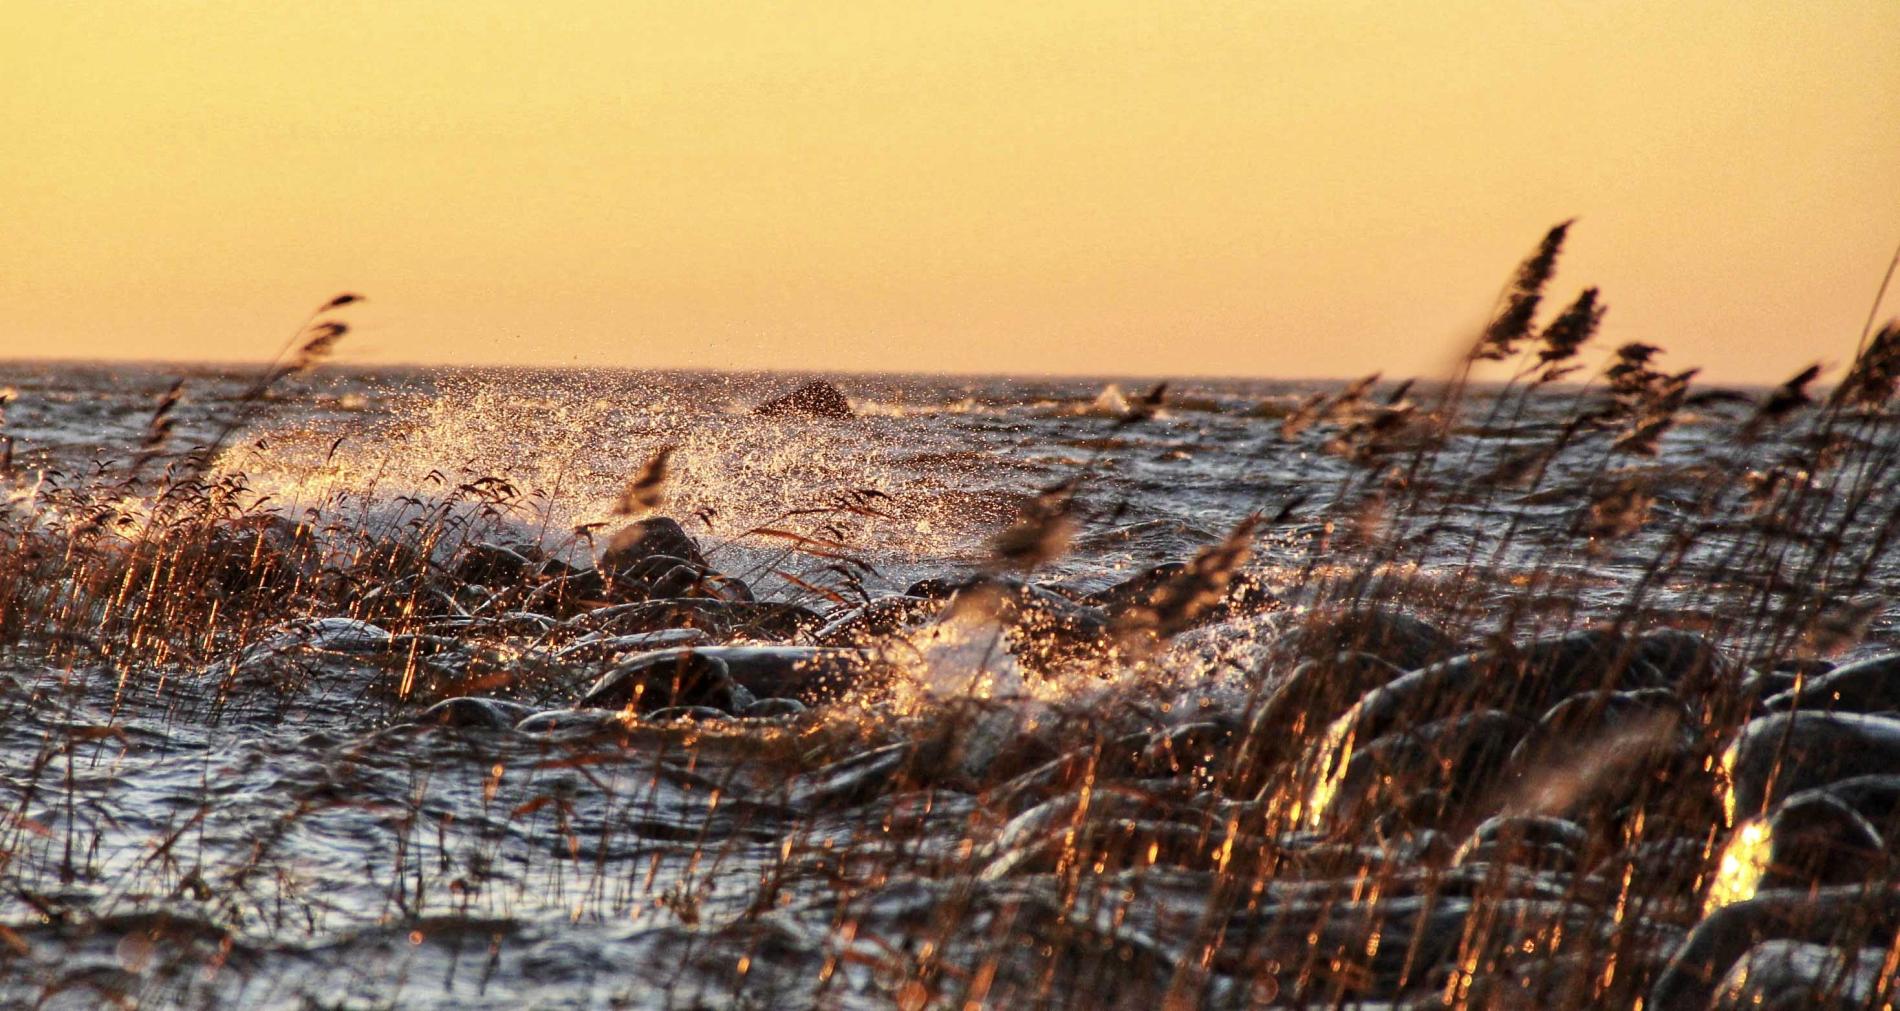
(757,779)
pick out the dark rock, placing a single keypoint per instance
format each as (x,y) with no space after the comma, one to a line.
(850,781)
(472,713)
(1048,630)
(818,399)
(718,618)
(598,646)
(493,565)
(662,679)
(1779,755)
(1191,749)
(773,708)
(1868,686)
(1541,843)
(1876,798)
(1684,659)
(1142,590)
(635,543)
(574,723)
(1311,697)
(1523,680)
(809,674)
(1846,916)
(878,619)
(260,553)
(938,587)
(1459,756)
(1593,750)
(1816,838)
(1394,636)
(1805,976)
(687,714)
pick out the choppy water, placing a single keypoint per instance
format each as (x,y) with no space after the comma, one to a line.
(247,829)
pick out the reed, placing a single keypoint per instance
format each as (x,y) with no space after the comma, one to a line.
(1536,824)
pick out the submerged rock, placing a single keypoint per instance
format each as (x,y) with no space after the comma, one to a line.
(474,713)
(818,399)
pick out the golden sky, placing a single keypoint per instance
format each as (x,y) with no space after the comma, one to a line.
(1260,188)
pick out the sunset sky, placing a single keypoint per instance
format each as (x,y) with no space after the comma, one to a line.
(1264,188)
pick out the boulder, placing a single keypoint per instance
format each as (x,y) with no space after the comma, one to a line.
(1779,755)
(806,673)
(817,399)
(664,679)
(634,544)
(1867,686)
(1394,636)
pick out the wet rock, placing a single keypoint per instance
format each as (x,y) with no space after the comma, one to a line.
(1316,693)
(494,564)
(1537,842)
(1847,917)
(1593,750)
(1785,753)
(662,679)
(331,635)
(1876,798)
(773,709)
(1191,749)
(818,399)
(806,673)
(596,646)
(1868,686)
(564,723)
(1816,838)
(1459,756)
(719,618)
(940,588)
(851,781)
(973,742)
(1525,681)
(474,713)
(687,714)
(1048,630)
(876,620)
(1243,595)
(635,544)
(1838,833)
(1803,976)
(1685,660)
(1394,636)
(259,553)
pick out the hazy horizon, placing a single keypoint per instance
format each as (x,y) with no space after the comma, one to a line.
(1269,191)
